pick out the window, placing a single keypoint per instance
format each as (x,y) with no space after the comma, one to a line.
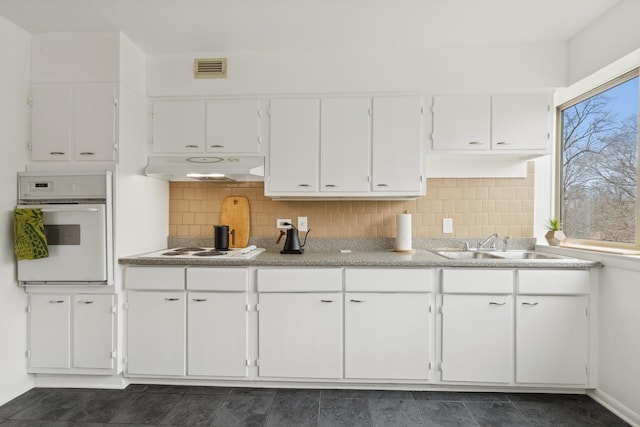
(599,164)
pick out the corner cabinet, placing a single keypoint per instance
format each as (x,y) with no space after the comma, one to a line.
(74,122)
(346,147)
(71,333)
(552,327)
(515,124)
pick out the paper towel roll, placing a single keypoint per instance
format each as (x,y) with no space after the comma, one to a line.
(403,232)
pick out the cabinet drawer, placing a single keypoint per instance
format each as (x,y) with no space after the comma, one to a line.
(553,282)
(388,280)
(300,280)
(159,278)
(477,281)
(217,279)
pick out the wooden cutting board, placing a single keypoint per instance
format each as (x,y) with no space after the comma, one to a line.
(235,214)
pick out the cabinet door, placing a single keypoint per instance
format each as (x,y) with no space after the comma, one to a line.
(520,122)
(387,336)
(477,338)
(51,122)
(93,331)
(300,335)
(552,339)
(345,144)
(397,144)
(461,122)
(217,334)
(178,127)
(49,331)
(95,122)
(156,324)
(294,145)
(233,126)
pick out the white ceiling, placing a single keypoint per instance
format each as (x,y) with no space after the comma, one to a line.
(230,25)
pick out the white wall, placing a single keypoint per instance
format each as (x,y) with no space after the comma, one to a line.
(435,70)
(609,38)
(619,345)
(14,92)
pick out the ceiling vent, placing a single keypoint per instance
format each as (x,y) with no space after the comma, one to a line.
(210,68)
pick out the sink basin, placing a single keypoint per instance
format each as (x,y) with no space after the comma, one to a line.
(524,255)
(466,255)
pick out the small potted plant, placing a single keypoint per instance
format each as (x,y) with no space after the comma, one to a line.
(555,236)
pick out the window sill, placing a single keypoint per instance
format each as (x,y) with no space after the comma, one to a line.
(608,257)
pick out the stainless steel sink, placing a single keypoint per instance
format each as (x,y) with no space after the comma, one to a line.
(496,255)
(466,255)
(524,255)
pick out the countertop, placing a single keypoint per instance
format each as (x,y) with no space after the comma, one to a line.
(362,258)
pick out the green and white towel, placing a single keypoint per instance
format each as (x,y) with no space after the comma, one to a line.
(30,242)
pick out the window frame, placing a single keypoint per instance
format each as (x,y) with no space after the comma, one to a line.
(559,148)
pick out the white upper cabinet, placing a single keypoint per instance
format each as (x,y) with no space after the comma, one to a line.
(483,123)
(520,122)
(345,132)
(461,122)
(294,146)
(178,127)
(346,147)
(73,122)
(199,127)
(397,145)
(233,126)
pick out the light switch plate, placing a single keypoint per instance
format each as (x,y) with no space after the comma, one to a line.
(447,225)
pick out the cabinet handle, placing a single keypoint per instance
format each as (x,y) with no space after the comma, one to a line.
(191,146)
(330,185)
(217,146)
(85,302)
(503,143)
(304,185)
(87,153)
(530,303)
(497,303)
(475,143)
(172,299)
(382,185)
(57,153)
(356,300)
(56,301)
(199,299)
(326,300)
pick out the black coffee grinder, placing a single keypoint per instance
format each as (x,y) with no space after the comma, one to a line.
(292,242)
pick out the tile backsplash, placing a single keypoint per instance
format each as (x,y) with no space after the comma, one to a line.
(478,206)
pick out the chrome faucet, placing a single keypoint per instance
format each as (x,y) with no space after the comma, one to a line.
(491,239)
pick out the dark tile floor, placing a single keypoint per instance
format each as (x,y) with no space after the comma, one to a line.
(159,405)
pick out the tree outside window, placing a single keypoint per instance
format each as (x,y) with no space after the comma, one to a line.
(599,154)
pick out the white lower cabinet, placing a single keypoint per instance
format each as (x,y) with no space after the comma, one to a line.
(217,334)
(187,321)
(552,327)
(156,333)
(300,323)
(477,326)
(387,324)
(72,331)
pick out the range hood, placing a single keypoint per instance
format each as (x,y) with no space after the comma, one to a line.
(206,168)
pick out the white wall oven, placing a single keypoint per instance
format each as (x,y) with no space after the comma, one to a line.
(77,216)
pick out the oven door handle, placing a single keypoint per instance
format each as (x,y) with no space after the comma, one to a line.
(70,210)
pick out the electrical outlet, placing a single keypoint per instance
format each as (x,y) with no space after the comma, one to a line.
(282,223)
(302,223)
(447,225)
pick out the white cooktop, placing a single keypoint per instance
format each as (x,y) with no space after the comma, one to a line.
(205,253)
